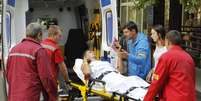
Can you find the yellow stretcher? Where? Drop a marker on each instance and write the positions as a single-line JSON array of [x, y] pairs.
[[85, 90], [89, 88]]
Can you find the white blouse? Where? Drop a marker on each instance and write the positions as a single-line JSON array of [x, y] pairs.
[[157, 53]]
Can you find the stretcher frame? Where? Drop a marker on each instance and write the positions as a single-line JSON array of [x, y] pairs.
[[85, 90]]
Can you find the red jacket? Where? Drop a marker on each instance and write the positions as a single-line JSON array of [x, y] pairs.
[[28, 72], [54, 53], [174, 77]]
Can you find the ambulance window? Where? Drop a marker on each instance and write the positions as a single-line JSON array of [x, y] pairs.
[[0, 28], [8, 29], [0, 41], [109, 27], [1, 8]]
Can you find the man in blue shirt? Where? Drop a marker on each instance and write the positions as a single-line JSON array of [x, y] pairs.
[[139, 54]]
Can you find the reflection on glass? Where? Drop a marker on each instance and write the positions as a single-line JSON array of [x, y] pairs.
[[8, 28], [109, 27], [132, 14], [123, 1], [0, 36], [123, 15]]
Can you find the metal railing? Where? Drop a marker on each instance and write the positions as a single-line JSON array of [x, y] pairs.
[[192, 42]]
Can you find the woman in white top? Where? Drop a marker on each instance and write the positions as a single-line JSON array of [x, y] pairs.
[[158, 36]]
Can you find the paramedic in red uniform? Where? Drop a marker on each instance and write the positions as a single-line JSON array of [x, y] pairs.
[[174, 78], [54, 52], [28, 69]]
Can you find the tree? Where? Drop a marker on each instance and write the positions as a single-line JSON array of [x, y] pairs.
[[142, 3], [189, 5]]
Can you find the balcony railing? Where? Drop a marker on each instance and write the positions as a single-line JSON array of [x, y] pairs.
[[192, 42]]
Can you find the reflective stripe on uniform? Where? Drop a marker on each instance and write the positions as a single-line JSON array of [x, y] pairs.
[[141, 54], [23, 55], [155, 76], [48, 47]]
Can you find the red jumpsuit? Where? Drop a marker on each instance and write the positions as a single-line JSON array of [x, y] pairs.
[[28, 72], [54, 53], [174, 77]]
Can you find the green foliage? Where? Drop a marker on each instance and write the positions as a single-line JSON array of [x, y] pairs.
[[142, 3], [189, 5]]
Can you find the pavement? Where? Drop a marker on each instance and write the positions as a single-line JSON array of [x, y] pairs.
[[198, 79], [198, 96], [2, 90], [198, 86], [198, 83]]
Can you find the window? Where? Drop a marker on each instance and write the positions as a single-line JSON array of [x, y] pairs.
[[0, 41], [109, 27], [8, 29], [123, 15], [129, 13]]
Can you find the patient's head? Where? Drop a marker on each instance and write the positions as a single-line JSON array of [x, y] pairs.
[[89, 55]]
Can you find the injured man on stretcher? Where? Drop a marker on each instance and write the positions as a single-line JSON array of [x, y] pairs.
[[89, 67]]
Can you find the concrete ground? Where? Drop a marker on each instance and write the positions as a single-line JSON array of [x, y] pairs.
[[2, 90], [198, 86], [198, 79], [198, 96]]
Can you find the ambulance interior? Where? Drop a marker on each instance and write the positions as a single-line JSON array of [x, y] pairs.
[[80, 24], [73, 18]]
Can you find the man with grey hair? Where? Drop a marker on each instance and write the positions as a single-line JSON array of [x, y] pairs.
[[28, 69], [34, 30]]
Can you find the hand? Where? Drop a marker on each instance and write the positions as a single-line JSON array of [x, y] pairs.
[[85, 67], [123, 54], [116, 46], [68, 81], [68, 84], [149, 76], [85, 60]]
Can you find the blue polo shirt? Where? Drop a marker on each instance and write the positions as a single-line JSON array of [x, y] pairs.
[[139, 57]]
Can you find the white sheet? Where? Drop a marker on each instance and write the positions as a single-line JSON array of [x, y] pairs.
[[78, 70], [116, 82]]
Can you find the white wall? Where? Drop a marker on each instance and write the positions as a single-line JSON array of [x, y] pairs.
[[66, 19], [20, 19], [91, 5]]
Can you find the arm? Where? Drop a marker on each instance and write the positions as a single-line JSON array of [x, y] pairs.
[[149, 75], [85, 69], [160, 77], [62, 66], [44, 72], [120, 65], [122, 54], [116, 46], [64, 71]]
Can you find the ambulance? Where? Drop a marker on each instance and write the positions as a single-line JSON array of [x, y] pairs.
[[90, 22]]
